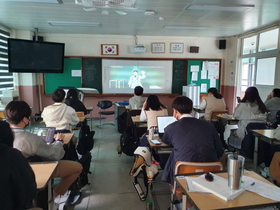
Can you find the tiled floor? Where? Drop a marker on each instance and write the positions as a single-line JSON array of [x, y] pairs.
[[111, 186]]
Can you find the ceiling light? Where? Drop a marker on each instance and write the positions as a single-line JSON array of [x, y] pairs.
[[186, 27], [220, 7], [149, 12], [41, 1], [83, 24], [89, 9], [104, 12], [120, 12], [161, 18]]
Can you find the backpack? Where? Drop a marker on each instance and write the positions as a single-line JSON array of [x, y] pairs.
[[86, 140], [122, 119], [144, 166], [85, 160], [129, 140]]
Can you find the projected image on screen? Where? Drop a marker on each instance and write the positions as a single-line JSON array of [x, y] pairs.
[[122, 76]]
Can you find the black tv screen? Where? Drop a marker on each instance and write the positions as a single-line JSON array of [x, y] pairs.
[[35, 57]]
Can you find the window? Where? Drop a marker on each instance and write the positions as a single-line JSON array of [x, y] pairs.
[[258, 60], [268, 40], [6, 78]]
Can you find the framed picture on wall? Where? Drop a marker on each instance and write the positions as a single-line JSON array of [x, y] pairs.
[[176, 47], [158, 47], [109, 49]]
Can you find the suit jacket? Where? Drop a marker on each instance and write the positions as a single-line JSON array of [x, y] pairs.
[[192, 140]]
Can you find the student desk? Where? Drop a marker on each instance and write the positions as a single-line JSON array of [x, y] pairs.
[[265, 135], [67, 137], [43, 172], [89, 110], [160, 148], [245, 200], [228, 118]]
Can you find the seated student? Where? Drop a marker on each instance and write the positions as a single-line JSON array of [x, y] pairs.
[[151, 109], [250, 109], [73, 101], [59, 115], [274, 168], [136, 102], [17, 180], [17, 114], [213, 102], [272, 104], [192, 139]]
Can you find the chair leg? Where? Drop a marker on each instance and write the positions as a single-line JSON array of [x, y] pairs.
[[99, 126]]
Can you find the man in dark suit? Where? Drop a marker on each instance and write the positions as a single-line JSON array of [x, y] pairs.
[[192, 139]]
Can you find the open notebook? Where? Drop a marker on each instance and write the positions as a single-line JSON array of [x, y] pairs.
[[162, 122], [46, 133]]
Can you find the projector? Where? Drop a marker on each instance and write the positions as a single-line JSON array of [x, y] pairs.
[[137, 48]]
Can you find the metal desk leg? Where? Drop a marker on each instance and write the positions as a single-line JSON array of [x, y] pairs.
[[184, 201], [256, 154]]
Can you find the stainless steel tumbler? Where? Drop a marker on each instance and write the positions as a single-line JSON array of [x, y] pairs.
[[235, 167]]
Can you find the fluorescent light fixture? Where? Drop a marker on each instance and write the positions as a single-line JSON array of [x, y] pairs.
[[149, 12], [186, 27], [40, 1], [82, 24], [220, 7]]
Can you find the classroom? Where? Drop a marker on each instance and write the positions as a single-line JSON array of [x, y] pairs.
[[241, 37]]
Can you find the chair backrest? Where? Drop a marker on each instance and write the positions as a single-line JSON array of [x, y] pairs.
[[278, 117], [104, 104], [184, 167], [216, 112]]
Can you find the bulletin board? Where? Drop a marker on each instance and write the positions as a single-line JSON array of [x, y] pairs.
[[204, 73]]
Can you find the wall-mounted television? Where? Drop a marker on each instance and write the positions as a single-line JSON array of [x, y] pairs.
[[28, 56]]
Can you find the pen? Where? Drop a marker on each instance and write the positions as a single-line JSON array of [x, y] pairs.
[[252, 184]]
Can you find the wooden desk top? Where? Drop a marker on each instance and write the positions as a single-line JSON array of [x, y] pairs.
[[246, 199], [43, 172], [269, 133], [136, 119], [67, 138], [162, 145], [89, 108]]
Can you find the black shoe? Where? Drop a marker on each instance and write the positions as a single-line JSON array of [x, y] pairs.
[[74, 197]]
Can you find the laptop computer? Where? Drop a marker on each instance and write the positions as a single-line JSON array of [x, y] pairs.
[[47, 133], [162, 122]]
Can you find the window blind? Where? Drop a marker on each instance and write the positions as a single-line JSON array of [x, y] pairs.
[[6, 78]]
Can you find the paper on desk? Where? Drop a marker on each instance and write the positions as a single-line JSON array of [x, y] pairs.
[[194, 188], [261, 188]]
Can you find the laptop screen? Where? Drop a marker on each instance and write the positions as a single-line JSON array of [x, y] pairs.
[[46, 133], [164, 121]]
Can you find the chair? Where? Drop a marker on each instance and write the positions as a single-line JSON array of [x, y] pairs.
[[103, 105], [216, 112], [184, 167]]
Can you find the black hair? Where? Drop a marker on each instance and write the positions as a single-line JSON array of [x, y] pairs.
[[6, 134], [15, 111], [153, 103], [138, 90], [183, 104], [276, 92], [72, 94], [58, 95], [215, 93], [252, 96]]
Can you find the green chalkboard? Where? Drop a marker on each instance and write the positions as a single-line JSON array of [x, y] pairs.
[[92, 73], [206, 79], [179, 76], [52, 80]]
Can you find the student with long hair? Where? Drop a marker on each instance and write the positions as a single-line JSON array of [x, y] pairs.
[[213, 102], [250, 109], [272, 104], [73, 101], [152, 108]]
